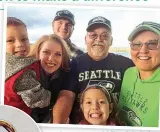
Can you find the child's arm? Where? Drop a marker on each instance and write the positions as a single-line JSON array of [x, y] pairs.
[[31, 91]]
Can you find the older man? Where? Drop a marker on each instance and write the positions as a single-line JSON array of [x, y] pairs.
[[98, 66], [139, 97], [63, 26]]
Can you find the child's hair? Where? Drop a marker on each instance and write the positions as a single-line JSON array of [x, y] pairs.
[[110, 98], [65, 51], [12, 21]]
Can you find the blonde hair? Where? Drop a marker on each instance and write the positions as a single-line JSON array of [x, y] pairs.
[[34, 52]]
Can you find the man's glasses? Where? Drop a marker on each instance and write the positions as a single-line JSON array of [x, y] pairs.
[[151, 45], [103, 36]]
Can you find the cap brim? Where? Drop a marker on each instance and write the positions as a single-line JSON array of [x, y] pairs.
[[91, 25], [140, 29], [65, 17]]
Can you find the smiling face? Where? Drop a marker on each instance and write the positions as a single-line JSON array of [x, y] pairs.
[[98, 41], [50, 56], [145, 59], [17, 42], [63, 28], [95, 107]]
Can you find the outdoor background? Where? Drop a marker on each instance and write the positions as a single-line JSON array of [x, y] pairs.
[[128, 16], [123, 20]]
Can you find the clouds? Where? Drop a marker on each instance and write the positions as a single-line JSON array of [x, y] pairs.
[[37, 32], [33, 17], [39, 18]]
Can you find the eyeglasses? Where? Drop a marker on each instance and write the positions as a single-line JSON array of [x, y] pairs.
[[103, 36], [151, 45]]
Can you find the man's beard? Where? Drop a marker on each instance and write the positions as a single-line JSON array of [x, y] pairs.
[[97, 51]]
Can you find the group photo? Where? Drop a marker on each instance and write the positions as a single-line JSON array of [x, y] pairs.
[[83, 65]]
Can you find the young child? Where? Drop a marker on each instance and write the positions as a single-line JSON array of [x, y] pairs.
[[98, 106], [17, 41], [22, 87]]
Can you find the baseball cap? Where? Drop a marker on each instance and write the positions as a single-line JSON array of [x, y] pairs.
[[145, 26], [65, 14], [99, 20]]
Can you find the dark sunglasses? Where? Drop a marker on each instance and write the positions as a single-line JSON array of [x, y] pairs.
[[151, 45]]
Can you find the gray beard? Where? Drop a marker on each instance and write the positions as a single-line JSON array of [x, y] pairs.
[[97, 52]]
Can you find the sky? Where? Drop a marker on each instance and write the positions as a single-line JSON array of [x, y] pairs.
[[123, 20]]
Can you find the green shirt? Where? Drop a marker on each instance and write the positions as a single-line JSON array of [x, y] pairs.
[[139, 99]]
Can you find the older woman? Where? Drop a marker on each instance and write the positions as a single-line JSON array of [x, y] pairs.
[[139, 97]]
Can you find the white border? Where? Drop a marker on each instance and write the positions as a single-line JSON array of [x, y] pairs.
[[22, 115], [85, 6], [3, 56], [77, 126], [102, 3], [73, 6]]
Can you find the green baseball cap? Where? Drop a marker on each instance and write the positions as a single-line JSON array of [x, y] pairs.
[[145, 26]]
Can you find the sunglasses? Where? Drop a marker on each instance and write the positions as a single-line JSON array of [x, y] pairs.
[[150, 45], [103, 36]]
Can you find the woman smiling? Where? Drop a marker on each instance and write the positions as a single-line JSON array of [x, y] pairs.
[[139, 97]]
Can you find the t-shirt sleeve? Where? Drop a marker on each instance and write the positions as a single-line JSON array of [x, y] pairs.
[[31, 91], [126, 64], [71, 80], [130, 63]]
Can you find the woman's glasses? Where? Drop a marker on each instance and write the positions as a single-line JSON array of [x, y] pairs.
[[151, 45]]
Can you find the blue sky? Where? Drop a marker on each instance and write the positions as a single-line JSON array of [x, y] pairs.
[[39, 18]]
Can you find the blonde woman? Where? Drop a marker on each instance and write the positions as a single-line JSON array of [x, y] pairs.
[[47, 72]]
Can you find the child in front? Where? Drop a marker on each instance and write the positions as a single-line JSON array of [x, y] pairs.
[[98, 106]]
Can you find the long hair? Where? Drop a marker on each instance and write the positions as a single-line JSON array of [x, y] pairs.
[[35, 50]]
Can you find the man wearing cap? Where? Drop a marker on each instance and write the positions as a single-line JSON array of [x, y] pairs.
[[63, 26], [97, 66], [139, 97]]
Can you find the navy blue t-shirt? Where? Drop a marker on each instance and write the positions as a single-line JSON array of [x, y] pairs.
[[85, 71]]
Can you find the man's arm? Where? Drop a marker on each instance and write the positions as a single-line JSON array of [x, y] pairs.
[[63, 106]]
